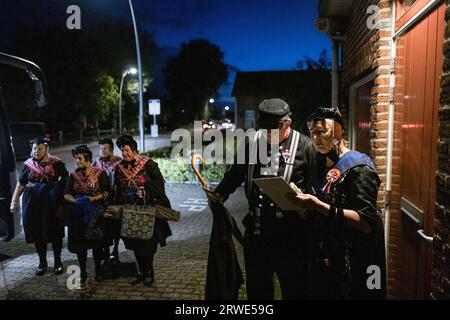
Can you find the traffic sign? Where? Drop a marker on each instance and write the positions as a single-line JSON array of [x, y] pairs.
[[154, 107]]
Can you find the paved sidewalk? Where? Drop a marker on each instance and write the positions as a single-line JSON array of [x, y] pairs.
[[180, 267]]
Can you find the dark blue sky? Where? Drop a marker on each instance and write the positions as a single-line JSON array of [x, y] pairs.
[[254, 34]]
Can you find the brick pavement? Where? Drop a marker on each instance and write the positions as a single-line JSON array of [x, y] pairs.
[[180, 267]]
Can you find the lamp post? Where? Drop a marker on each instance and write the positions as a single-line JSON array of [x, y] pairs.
[[130, 71], [141, 103], [225, 110], [206, 111]]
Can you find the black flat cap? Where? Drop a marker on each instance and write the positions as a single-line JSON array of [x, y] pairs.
[[327, 113], [272, 112]]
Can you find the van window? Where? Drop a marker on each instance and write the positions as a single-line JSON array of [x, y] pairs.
[[6, 153], [22, 133]]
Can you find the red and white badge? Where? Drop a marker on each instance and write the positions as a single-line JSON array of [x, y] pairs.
[[286, 155]]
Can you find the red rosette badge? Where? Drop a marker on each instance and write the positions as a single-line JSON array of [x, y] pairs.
[[332, 176]]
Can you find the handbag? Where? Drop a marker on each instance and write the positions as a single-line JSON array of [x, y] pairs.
[[138, 221]]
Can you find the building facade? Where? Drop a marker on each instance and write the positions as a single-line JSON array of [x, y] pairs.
[[303, 90], [391, 81]]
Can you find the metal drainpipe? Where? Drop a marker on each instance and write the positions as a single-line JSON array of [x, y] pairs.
[[390, 146], [335, 76]]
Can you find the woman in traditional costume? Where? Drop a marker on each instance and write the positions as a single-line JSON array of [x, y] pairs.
[[137, 178], [42, 183], [348, 253]]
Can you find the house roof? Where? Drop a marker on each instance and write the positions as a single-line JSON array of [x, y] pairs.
[[276, 83], [330, 8]]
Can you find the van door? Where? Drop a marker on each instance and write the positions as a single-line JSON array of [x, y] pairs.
[[9, 223]]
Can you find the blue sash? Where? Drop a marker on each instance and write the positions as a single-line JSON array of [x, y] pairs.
[[351, 160]]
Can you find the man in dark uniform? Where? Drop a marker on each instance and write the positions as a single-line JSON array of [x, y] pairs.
[[274, 240]]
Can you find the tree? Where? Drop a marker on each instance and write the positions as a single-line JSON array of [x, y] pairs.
[[104, 97], [322, 63], [81, 66], [192, 78]]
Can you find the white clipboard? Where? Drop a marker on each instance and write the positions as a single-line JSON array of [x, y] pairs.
[[277, 189]]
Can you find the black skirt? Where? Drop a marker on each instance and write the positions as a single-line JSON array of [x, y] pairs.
[[40, 222]]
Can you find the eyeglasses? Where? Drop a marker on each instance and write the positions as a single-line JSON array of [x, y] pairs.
[[319, 132]]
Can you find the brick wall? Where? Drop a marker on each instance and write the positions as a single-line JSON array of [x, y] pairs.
[[441, 244], [358, 53], [368, 51]]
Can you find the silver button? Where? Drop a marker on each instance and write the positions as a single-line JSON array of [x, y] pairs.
[[281, 147], [275, 173], [260, 205], [279, 214], [276, 167], [272, 204], [278, 155], [277, 160], [260, 196]]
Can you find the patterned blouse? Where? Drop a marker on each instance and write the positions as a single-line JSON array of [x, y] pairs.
[[108, 165], [36, 171], [80, 184]]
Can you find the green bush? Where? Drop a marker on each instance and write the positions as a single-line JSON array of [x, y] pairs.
[[179, 170], [163, 152]]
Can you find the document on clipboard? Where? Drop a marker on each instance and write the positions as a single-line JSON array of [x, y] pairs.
[[277, 189]]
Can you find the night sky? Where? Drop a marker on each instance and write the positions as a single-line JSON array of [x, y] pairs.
[[254, 34]]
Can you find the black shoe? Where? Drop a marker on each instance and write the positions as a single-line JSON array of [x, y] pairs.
[[139, 278], [58, 269], [114, 258], [148, 280], [41, 270]]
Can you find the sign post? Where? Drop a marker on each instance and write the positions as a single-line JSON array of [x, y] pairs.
[[154, 108]]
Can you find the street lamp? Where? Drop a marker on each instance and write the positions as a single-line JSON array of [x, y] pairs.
[[141, 103], [225, 109], [127, 72], [206, 110]]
